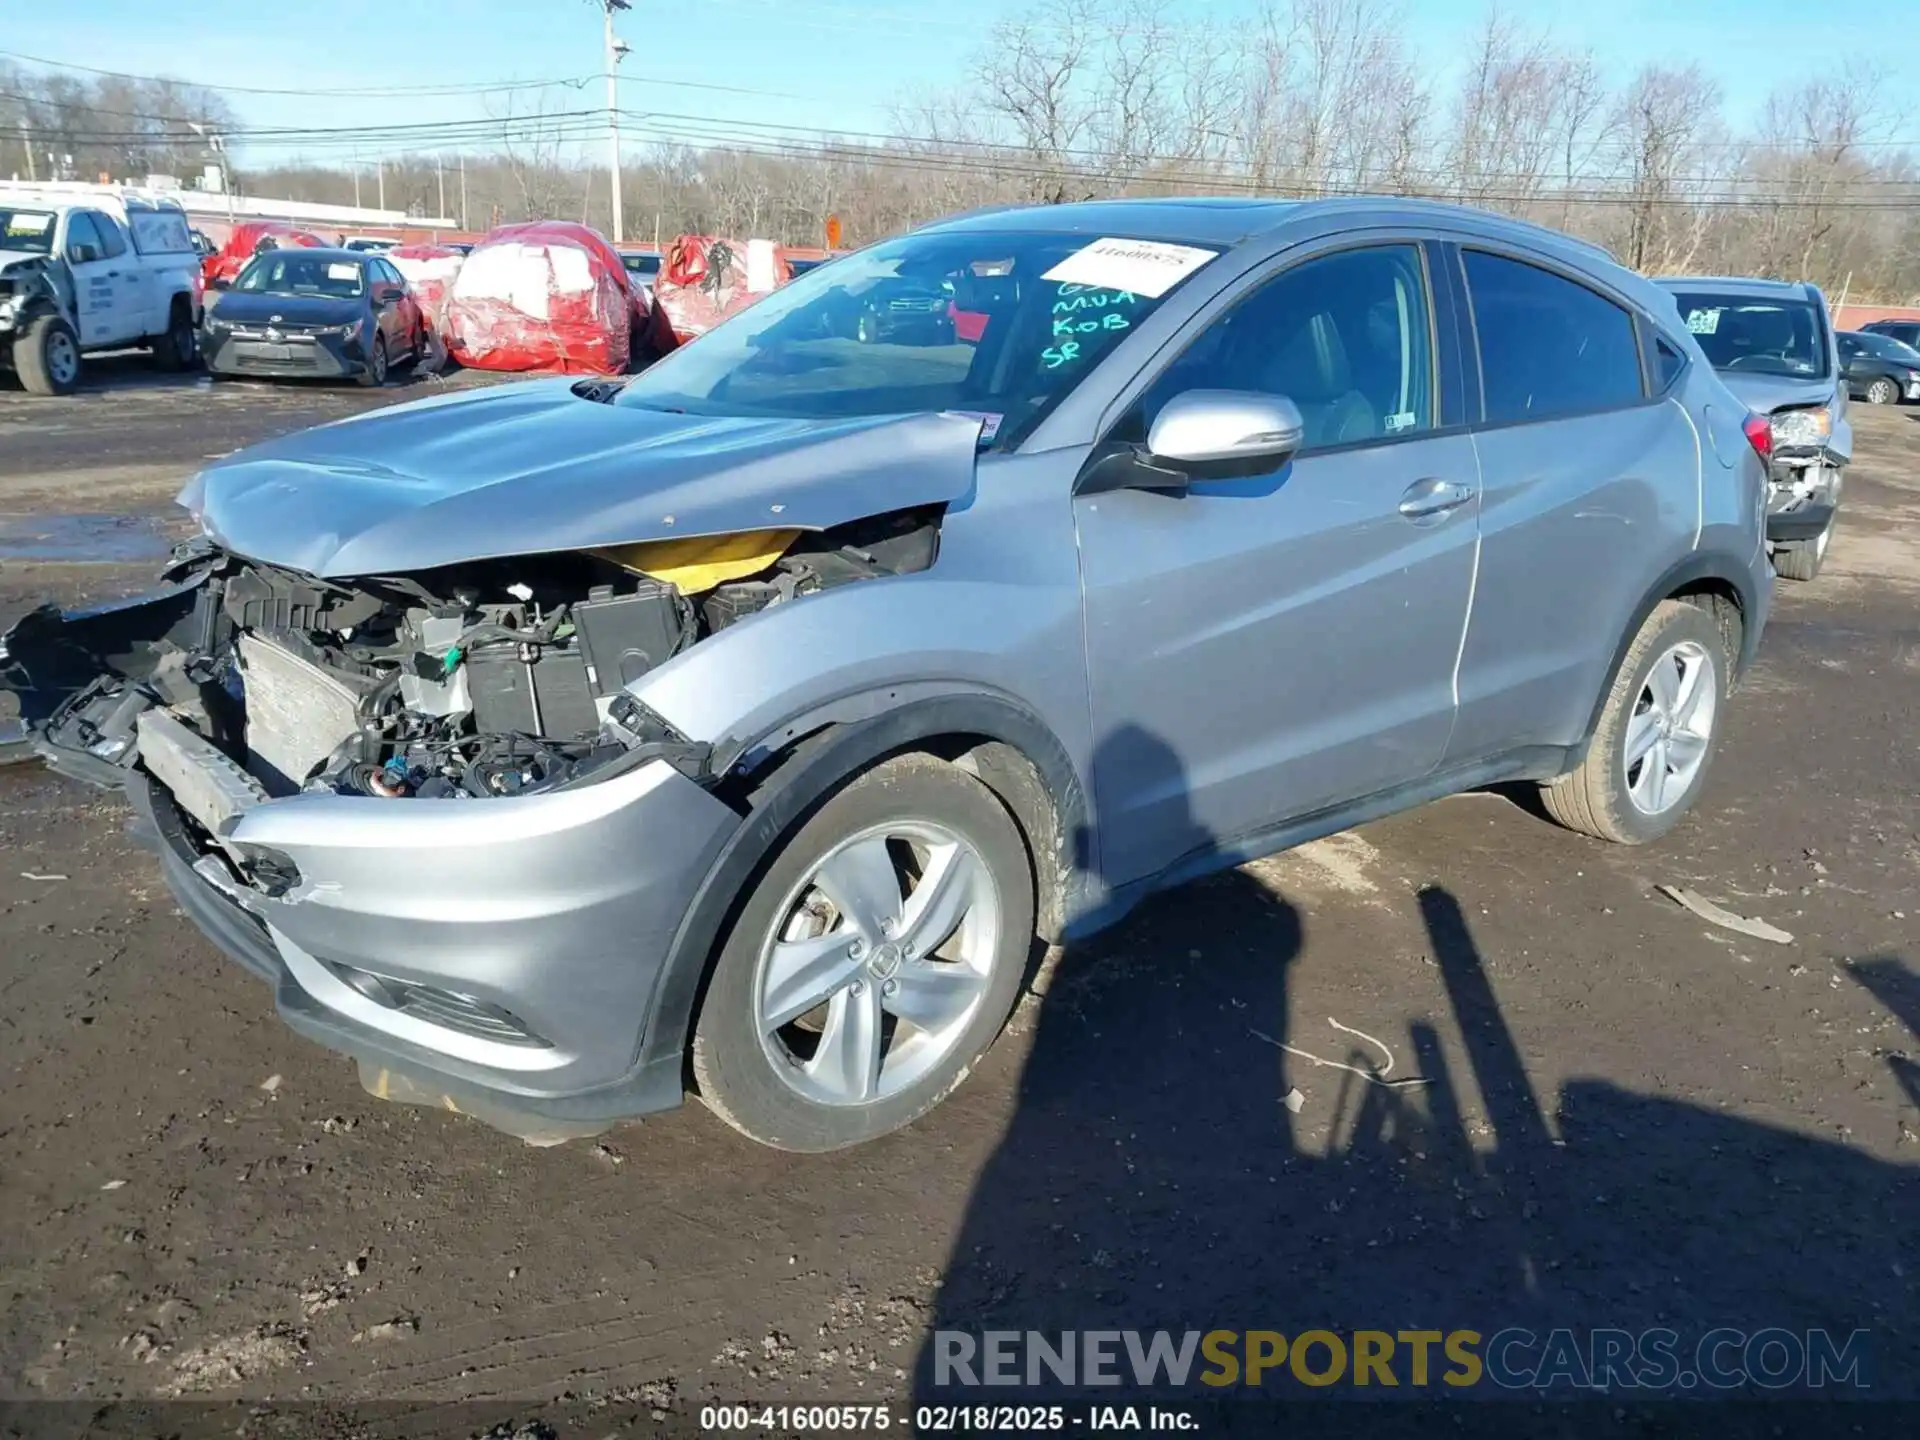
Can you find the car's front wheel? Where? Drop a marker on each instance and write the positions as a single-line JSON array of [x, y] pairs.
[[1650, 753], [875, 960], [1883, 392], [46, 357], [1802, 559], [375, 373]]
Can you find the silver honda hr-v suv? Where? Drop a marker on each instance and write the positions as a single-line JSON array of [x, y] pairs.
[[559, 748]]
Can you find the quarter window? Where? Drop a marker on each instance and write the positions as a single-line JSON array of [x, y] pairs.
[[1548, 345], [1345, 337], [1669, 362]]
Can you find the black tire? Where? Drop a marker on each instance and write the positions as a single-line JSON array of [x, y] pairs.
[[1802, 559], [1883, 392], [374, 374], [1594, 798], [177, 348], [733, 1072], [47, 357]]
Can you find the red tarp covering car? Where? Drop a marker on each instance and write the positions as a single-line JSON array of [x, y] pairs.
[[430, 271], [244, 243], [546, 295], [704, 279]]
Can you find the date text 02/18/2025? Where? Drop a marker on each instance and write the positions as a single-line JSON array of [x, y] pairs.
[[943, 1419]]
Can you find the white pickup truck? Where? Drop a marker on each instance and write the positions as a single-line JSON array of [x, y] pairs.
[[103, 274]]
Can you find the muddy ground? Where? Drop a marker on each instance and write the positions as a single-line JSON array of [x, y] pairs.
[[1631, 1118]]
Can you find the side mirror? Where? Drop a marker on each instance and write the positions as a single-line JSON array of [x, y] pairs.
[[387, 294], [1221, 433], [220, 282]]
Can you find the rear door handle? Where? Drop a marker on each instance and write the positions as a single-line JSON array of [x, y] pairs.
[[1432, 499]]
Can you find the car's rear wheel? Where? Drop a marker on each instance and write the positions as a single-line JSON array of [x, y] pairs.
[[875, 959], [176, 348], [1802, 559], [1883, 392], [1651, 751]]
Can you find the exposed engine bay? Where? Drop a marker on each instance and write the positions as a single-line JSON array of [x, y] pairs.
[[486, 679]]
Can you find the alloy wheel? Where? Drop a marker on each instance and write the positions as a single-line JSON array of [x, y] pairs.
[[1671, 728], [877, 963]]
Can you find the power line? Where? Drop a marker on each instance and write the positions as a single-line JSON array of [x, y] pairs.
[[420, 91]]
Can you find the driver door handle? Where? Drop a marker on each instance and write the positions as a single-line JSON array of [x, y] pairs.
[[1432, 499]]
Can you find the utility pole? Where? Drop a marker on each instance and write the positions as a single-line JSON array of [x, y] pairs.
[[615, 49], [463, 190], [26, 141], [440, 172], [380, 169], [356, 182]]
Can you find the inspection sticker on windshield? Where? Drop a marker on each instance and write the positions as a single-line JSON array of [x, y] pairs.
[[989, 422], [1144, 267], [347, 271], [1703, 322]]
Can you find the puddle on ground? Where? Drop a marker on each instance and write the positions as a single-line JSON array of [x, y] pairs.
[[89, 539]]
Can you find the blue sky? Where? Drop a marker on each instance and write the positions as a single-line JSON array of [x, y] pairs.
[[824, 63]]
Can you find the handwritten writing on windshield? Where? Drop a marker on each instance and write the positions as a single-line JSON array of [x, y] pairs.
[[1085, 310]]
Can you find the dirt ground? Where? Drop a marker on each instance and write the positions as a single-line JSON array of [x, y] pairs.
[[1631, 1118]]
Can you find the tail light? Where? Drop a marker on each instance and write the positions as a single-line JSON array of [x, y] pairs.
[[1759, 433]]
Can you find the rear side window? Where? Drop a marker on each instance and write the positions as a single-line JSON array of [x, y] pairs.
[[1548, 345]]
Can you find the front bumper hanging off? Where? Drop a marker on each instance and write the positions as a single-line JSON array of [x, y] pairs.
[[496, 959], [1803, 496]]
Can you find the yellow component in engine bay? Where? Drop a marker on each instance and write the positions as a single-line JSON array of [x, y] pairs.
[[700, 562]]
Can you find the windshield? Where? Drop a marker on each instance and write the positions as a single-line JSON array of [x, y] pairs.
[[1757, 336], [288, 272], [1888, 348], [643, 265], [996, 324], [29, 230]]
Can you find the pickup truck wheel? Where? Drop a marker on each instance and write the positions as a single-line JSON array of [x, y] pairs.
[[1802, 559], [1651, 751], [176, 349], [1883, 392], [872, 963], [47, 357]]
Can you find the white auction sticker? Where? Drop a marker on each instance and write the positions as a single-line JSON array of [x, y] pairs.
[[1142, 267], [344, 270]]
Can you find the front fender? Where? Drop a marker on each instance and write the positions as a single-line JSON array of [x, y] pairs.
[[813, 772]]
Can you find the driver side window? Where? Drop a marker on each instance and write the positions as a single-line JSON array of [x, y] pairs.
[[83, 241], [1346, 337]]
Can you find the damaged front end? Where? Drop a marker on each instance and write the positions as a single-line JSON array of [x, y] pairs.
[[425, 806], [484, 680]]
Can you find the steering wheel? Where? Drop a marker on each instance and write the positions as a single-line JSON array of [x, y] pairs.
[[1765, 361]]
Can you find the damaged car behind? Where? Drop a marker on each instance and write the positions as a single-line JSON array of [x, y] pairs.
[[559, 749]]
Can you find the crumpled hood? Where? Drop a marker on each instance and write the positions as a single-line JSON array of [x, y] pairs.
[[529, 468], [10, 258], [1764, 394]]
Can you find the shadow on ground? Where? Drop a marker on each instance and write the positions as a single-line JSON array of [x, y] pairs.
[[1151, 1179]]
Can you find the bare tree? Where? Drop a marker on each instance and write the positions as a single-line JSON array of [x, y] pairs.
[[1665, 119]]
